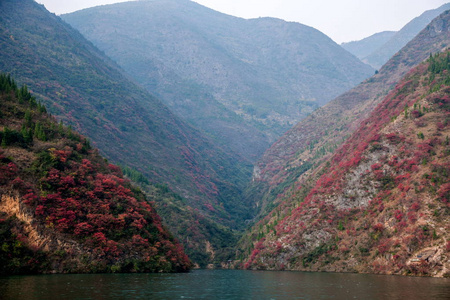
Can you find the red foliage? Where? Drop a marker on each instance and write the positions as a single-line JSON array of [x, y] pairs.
[[415, 206], [98, 209], [61, 155], [376, 166], [394, 138], [384, 246], [99, 238], [398, 215], [8, 172], [83, 228], [444, 193], [416, 114], [412, 217], [378, 227]]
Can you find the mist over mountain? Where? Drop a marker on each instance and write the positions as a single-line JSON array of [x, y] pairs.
[[245, 82], [366, 46], [382, 54]]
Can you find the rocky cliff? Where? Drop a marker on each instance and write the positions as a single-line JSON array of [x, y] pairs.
[[381, 201]]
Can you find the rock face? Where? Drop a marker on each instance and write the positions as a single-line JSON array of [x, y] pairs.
[[381, 203], [296, 154], [245, 82], [63, 208], [333, 193]]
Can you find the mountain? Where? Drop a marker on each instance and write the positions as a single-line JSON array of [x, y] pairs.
[[290, 169], [381, 203], [244, 82], [366, 46], [381, 55], [63, 208], [315, 138], [85, 89]]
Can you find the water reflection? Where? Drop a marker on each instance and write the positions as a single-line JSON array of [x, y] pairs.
[[223, 284]]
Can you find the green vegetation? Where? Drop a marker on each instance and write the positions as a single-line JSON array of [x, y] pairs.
[[369, 205], [82, 87], [314, 255], [260, 84], [55, 185], [15, 255]]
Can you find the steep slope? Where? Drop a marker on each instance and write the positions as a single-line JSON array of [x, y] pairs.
[[311, 141], [402, 37], [368, 45], [130, 127], [382, 201], [63, 208], [245, 82]]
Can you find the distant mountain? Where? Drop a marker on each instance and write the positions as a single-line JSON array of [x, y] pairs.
[[381, 55], [313, 139], [63, 208], [381, 202], [245, 82], [368, 45], [83, 87]]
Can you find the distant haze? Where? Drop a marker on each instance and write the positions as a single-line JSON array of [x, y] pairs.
[[343, 20]]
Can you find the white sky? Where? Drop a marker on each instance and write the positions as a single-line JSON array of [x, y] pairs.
[[342, 20]]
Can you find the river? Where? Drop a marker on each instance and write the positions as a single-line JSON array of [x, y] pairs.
[[223, 284]]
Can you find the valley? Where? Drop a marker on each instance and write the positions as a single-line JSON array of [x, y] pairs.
[[164, 136]]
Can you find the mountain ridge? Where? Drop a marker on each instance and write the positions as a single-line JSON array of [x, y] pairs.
[[381, 55], [366, 46], [88, 91], [247, 81], [312, 140], [380, 204]]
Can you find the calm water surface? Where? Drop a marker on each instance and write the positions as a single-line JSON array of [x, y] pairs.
[[223, 284]]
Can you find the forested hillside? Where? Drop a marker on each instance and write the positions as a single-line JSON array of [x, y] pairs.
[[297, 154], [63, 208], [85, 89], [245, 82], [381, 201]]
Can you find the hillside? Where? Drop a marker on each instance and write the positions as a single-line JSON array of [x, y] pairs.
[[63, 208], [366, 46], [296, 155], [245, 82], [381, 203], [381, 55], [85, 89]]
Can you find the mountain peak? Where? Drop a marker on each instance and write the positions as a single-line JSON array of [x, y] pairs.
[[244, 82]]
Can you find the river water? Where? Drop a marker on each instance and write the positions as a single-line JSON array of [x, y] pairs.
[[223, 284]]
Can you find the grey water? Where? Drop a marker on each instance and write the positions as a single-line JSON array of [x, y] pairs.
[[224, 284]]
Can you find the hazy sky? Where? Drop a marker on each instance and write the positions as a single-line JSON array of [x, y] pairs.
[[342, 20]]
